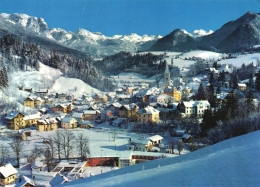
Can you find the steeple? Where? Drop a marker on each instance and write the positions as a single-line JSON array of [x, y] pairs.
[[167, 76]]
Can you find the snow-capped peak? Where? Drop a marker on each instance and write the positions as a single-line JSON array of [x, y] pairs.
[[30, 23], [198, 33]]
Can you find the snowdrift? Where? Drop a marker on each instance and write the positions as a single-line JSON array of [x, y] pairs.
[[234, 162]]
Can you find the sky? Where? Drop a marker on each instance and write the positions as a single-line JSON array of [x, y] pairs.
[[152, 17]]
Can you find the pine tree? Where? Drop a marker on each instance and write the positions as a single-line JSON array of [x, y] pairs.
[[218, 90], [5, 78], [250, 101], [251, 81], [257, 81], [201, 95], [235, 81]]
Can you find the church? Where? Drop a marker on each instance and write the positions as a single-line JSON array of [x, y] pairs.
[[168, 86]]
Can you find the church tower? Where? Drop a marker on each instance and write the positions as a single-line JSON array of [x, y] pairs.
[[167, 76]]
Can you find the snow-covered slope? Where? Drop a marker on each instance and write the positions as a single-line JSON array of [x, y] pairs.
[[72, 86], [234, 162], [242, 59], [203, 54]]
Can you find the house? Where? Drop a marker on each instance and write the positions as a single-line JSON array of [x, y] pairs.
[[61, 96], [58, 179], [25, 182], [15, 120], [241, 87], [194, 108], [28, 90], [144, 144], [173, 92], [65, 108], [29, 102], [114, 108], [165, 99], [31, 120], [85, 124], [105, 115], [7, 175], [90, 115], [42, 92], [78, 116], [47, 124], [186, 138], [128, 111], [69, 123], [148, 114], [101, 98], [102, 161]]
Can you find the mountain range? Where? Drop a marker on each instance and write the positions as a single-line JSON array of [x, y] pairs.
[[234, 36]]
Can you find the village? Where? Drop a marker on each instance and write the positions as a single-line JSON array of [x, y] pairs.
[[70, 137]]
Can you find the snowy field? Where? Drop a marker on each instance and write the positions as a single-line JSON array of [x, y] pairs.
[[202, 54], [132, 78], [234, 162], [246, 59], [101, 144], [72, 86]]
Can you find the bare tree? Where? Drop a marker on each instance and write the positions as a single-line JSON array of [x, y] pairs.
[[48, 158], [50, 145], [17, 147], [57, 143], [67, 140], [180, 147], [83, 146], [4, 154]]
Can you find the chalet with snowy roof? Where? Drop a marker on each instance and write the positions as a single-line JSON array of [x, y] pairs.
[[15, 120], [31, 120], [7, 174], [47, 124], [25, 182], [78, 116], [85, 124], [69, 123], [148, 114], [114, 108], [101, 98], [144, 144], [165, 99], [173, 92], [105, 115], [90, 115], [191, 108], [128, 111], [64, 108], [241, 87], [29, 102], [42, 92], [58, 179]]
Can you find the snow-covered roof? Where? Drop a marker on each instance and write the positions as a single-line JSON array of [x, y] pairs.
[[25, 180], [241, 85], [148, 110], [77, 115], [117, 105], [12, 115], [155, 138], [90, 112], [58, 179], [32, 116], [7, 170], [67, 120]]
